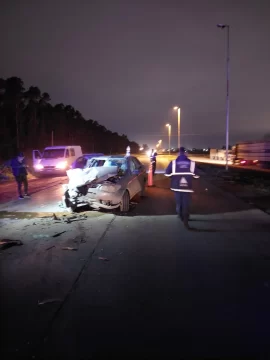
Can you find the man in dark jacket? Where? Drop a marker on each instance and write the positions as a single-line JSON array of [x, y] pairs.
[[153, 160], [182, 170], [18, 166]]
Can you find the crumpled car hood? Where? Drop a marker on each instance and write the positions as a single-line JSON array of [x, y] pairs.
[[80, 177]]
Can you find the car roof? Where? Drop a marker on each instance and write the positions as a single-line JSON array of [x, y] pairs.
[[109, 157], [93, 155]]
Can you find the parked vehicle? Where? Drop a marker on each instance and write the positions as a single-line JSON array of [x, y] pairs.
[[252, 153], [83, 161], [55, 159], [110, 183], [220, 154]]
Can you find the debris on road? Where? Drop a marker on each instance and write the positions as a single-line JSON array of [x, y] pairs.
[[72, 218], [50, 247], [58, 234], [39, 236], [6, 243], [48, 301], [69, 248], [103, 258], [55, 217]]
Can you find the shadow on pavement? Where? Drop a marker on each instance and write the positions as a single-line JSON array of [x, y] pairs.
[[159, 200]]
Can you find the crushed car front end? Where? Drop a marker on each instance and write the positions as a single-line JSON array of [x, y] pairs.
[[101, 190]]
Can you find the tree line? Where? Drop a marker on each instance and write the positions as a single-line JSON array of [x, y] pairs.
[[28, 121]]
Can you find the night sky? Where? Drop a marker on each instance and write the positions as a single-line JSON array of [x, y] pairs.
[[127, 63]]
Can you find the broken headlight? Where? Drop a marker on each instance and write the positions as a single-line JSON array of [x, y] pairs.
[[110, 187]]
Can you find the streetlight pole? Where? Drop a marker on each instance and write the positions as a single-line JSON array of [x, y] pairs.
[[178, 118], [169, 134], [223, 26]]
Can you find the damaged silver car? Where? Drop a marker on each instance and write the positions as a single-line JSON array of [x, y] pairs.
[[109, 183]]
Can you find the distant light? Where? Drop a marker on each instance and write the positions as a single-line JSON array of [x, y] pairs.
[[176, 108], [141, 148], [168, 125]]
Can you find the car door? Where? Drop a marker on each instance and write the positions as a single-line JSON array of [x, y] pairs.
[[134, 185], [36, 156], [141, 172]]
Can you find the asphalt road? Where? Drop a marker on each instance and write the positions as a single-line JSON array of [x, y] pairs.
[[137, 285]]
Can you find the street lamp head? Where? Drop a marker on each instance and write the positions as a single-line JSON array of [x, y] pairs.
[[168, 125], [176, 108], [222, 26]]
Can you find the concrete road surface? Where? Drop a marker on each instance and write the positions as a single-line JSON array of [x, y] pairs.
[[138, 285]]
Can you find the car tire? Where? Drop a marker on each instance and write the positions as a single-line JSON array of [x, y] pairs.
[[124, 205]]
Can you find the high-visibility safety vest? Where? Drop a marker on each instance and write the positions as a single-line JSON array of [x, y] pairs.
[[153, 156], [181, 173]]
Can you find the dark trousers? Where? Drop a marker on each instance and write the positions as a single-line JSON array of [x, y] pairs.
[[22, 179], [154, 164], [183, 200]]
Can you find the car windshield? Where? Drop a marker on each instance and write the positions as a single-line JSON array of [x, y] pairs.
[[97, 162], [53, 153], [119, 162], [115, 162]]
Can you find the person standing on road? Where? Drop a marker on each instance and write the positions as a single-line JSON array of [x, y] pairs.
[[19, 171], [153, 160], [182, 170]]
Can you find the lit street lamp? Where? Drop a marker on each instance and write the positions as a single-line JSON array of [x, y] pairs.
[[178, 131], [223, 26], [169, 134]]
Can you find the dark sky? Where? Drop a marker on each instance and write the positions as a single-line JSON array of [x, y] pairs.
[[127, 63]]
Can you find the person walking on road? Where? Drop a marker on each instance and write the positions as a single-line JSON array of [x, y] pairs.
[[182, 170], [19, 171], [153, 160]]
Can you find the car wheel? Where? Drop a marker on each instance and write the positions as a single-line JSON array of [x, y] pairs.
[[124, 205]]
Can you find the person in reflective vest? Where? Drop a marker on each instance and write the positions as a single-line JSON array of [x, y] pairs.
[[153, 159], [181, 171]]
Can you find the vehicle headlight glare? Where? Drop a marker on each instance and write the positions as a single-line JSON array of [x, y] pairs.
[[61, 165]]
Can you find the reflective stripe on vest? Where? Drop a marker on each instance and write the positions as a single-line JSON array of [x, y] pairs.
[[190, 172], [182, 190]]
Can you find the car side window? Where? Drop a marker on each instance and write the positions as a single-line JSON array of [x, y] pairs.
[[72, 152], [81, 161], [132, 165], [67, 153], [137, 163]]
